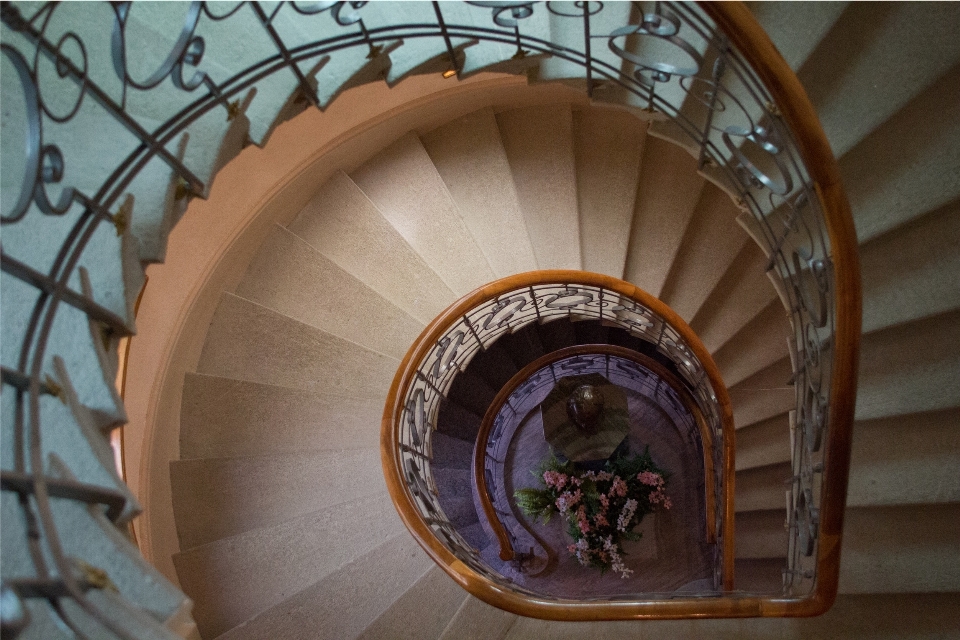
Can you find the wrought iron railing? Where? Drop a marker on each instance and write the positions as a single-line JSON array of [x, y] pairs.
[[474, 324], [116, 115]]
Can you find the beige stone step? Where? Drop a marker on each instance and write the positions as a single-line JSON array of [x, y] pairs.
[[667, 195], [608, 145], [471, 160], [911, 549], [896, 615], [912, 271], [762, 488], [759, 344], [910, 368], [292, 278], [847, 76], [427, 606], [217, 498], [897, 172], [711, 243], [539, 146], [759, 575], [343, 603], [796, 27], [237, 578], [403, 184], [477, 620], [247, 341], [742, 292], [761, 534], [342, 224], [921, 467], [223, 417], [764, 443], [763, 395]]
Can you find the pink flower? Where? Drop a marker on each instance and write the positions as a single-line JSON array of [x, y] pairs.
[[601, 520], [650, 478], [604, 501], [555, 479], [619, 487]]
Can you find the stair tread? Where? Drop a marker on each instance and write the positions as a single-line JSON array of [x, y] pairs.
[[436, 589], [342, 223], [247, 341], [608, 146], [741, 293], [477, 620], [755, 347], [224, 417], [292, 278], [908, 165], [710, 245], [910, 368], [343, 603], [667, 196], [259, 569], [763, 395], [539, 146], [470, 158], [846, 77], [217, 498], [404, 185]]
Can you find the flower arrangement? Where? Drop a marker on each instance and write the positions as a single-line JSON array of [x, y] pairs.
[[601, 507]]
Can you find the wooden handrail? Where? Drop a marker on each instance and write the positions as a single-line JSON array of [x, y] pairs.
[[756, 48], [478, 585], [706, 437], [796, 110]]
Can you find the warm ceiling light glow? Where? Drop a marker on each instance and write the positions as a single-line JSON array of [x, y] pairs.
[[449, 73]]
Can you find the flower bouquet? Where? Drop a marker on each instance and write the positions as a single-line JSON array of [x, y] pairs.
[[601, 507]]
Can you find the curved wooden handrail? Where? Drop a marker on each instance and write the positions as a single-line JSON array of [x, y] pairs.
[[756, 48], [796, 110], [478, 585], [479, 452]]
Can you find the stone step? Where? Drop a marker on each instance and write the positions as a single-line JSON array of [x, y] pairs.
[[910, 368], [904, 549], [761, 534], [450, 452], [742, 292], [763, 395], [223, 417], [477, 620], [709, 247], [346, 601], [343, 225], [608, 146], [458, 422], [247, 341], [427, 606], [292, 278], [470, 158], [764, 443], [667, 195], [795, 28], [845, 76], [216, 498], [913, 271], [919, 469], [235, 579], [762, 488], [759, 344], [896, 173], [539, 145], [403, 184]]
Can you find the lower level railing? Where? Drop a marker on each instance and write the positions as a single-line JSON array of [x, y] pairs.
[[447, 346]]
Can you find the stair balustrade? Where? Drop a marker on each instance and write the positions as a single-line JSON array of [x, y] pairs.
[[117, 115]]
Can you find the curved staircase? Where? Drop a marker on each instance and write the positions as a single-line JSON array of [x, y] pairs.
[[285, 526], [282, 527]]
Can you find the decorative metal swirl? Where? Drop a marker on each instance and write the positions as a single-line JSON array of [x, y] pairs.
[[92, 114]]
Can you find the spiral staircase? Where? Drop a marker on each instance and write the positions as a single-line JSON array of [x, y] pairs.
[[284, 523]]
